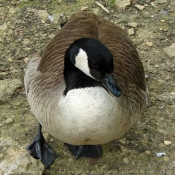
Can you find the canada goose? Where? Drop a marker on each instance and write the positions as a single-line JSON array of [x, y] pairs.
[[86, 88]]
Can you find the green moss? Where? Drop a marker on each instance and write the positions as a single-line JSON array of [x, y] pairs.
[[112, 3]]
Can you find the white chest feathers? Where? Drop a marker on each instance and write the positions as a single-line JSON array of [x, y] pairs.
[[87, 116]]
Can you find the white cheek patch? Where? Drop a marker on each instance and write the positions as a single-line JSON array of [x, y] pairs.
[[81, 62]]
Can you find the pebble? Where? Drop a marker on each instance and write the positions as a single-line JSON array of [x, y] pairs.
[[59, 2], [8, 87], [3, 26], [163, 12], [165, 158], [170, 50], [51, 18], [132, 24], [140, 7], [26, 59], [42, 14], [167, 142], [9, 120], [18, 161], [84, 8], [148, 152], [10, 60], [122, 4], [125, 160], [131, 31], [26, 41], [161, 1], [149, 44]]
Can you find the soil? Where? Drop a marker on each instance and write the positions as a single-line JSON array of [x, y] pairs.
[[26, 27]]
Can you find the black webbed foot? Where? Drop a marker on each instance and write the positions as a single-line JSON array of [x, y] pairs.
[[39, 149], [92, 151]]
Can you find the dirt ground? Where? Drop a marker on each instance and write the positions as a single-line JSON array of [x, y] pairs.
[[26, 26]]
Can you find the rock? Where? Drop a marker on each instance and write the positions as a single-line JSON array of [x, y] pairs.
[[125, 160], [3, 26], [12, 10], [59, 2], [140, 7], [163, 12], [147, 1], [84, 8], [148, 152], [9, 120], [7, 87], [43, 14], [149, 44], [167, 142], [170, 50], [123, 4], [18, 161], [131, 31], [165, 158], [161, 1], [167, 98], [26, 41], [132, 24], [26, 60], [10, 60]]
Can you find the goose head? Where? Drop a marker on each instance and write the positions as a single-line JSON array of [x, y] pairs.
[[95, 60]]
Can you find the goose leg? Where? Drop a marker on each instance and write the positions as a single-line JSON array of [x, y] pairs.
[[39, 149], [93, 151]]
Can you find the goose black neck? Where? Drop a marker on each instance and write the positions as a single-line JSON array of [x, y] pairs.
[[75, 78]]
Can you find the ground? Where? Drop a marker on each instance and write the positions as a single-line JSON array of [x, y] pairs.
[[27, 26]]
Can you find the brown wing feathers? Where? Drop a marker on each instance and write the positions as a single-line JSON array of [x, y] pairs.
[[88, 25]]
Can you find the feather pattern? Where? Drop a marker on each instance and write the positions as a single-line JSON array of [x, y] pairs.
[[44, 83]]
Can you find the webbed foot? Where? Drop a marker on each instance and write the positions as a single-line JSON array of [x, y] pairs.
[[39, 149], [93, 151]]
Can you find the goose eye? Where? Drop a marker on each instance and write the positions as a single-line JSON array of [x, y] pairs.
[[93, 64]]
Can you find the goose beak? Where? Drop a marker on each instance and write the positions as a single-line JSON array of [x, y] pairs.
[[111, 84]]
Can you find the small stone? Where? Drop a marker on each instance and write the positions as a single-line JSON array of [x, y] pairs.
[[122, 4], [10, 60], [17, 161], [167, 142], [51, 140], [149, 44], [156, 66], [3, 26], [140, 7], [8, 87], [148, 152], [9, 120], [84, 8], [147, 1], [43, 14], [26, 59], [26, 41], [161, 1], [165, 158], [162, 20], [170, 50], [163, 12], [125, 160], [51, 18], [12, 10], [59, 2], [131, 31], [132, 24]]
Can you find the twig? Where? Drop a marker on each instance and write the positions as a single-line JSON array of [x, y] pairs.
[[100, 5]]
